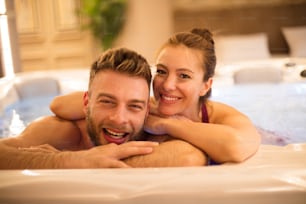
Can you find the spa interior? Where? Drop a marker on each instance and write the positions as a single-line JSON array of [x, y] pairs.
[[46, 50]]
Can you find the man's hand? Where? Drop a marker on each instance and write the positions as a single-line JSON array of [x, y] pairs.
[[47, 157], [110, 155]]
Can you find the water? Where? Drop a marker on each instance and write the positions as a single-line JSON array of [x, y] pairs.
[[27, 111], [276, 109]]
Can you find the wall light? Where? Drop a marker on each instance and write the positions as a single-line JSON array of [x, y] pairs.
[[6, 51]]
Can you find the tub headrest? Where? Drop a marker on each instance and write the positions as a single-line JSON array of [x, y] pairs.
[[37, 87], [258, 75]]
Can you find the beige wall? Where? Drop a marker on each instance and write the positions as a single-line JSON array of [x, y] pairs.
[[149, 24]]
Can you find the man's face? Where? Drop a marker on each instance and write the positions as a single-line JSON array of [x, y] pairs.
[[117, 107]]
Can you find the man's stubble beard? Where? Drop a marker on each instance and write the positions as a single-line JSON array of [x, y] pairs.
[[91, 130], [94, 135]]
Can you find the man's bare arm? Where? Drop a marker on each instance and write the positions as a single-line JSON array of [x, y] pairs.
[[172, 153], [107, 156], [40, 144]]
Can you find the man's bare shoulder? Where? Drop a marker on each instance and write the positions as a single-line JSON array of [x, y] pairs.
[[59, 133]]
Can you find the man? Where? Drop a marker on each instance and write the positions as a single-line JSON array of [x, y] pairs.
[[116, 106]]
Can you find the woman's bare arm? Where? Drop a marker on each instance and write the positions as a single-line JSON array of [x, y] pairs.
[[229, 137], [69, 107]]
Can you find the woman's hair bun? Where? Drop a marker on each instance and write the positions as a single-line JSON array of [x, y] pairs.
[[204, 33]]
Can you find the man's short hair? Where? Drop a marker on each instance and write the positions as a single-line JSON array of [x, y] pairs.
[[124, 61]]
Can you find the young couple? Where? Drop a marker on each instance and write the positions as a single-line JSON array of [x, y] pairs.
[[106, 126]]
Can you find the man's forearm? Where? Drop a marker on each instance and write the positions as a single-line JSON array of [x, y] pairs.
[[47, 157], [32, 158], [173, 153]]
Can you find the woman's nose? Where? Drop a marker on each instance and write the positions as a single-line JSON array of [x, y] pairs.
[[169, 83]]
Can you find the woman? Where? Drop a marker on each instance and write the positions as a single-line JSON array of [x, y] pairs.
[[185, 66]]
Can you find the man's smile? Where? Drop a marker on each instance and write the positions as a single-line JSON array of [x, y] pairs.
[[115, 136]]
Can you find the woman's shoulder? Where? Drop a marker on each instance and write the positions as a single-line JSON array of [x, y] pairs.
[[218, 110], [218, 105]]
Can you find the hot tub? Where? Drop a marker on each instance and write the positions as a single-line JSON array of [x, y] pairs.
[[278, 110], [27, 96], [275, 174]]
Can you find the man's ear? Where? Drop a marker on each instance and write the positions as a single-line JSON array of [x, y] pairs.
[[206, 87], [85, 101]]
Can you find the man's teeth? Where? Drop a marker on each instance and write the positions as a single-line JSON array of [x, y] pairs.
[[115, 134]]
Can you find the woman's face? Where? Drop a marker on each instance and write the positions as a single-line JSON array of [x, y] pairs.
[[178, 82]]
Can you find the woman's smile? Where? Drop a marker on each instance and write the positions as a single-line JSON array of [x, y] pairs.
[[165, 98]]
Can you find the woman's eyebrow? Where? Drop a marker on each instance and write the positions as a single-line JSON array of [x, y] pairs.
[[182, 69], [161, 65], [185, 70], [179, 69]]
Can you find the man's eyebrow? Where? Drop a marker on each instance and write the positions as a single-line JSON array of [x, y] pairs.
[[106, 95], [138, 101], [114, 98]]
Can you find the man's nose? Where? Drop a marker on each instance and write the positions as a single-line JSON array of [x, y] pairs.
[[119, 115]]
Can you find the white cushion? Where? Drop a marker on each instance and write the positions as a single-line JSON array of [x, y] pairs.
[[258, 75], [235, 48], [296, 39], [45, 86]]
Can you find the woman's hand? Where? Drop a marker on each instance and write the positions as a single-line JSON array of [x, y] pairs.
[[157, 125]]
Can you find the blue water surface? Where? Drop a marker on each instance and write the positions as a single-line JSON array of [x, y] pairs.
[[28, 110], [278, 109], [275, 109]]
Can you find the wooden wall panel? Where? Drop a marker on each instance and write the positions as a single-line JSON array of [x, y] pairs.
[[50, 35], [244, 20]]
